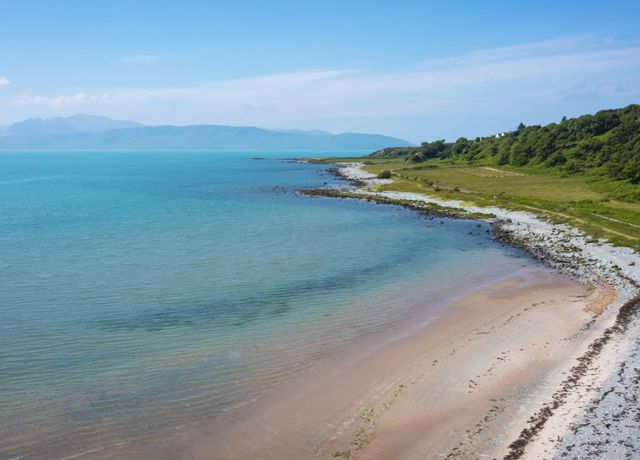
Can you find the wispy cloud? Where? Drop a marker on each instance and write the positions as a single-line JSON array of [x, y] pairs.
[[143, 58], [4, 81], [80, 99], [504, 78], [427, 87]]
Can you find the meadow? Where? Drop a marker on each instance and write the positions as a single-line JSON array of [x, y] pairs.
[[586, 202]]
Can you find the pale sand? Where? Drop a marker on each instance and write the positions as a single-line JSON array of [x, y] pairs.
[[594, 412], [460, 387]]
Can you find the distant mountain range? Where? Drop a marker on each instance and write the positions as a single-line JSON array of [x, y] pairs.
[[94, 132], [66, 125]]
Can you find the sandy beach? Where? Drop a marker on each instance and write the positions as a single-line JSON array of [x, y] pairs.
[[579, 401], [461, 386]]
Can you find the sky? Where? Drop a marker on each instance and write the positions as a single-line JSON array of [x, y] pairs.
[[419, 70]]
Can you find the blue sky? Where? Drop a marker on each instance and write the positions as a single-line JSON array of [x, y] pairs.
[[415, 69]]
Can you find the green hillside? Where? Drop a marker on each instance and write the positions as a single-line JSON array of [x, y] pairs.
[[583, 171], [605, 144]]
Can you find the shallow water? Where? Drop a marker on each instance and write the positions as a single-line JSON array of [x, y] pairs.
[[146, 293]]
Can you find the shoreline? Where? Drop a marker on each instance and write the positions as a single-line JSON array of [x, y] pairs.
[[477, 356], [603, 373]]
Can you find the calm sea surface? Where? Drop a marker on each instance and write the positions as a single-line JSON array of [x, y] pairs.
[[143, 294]]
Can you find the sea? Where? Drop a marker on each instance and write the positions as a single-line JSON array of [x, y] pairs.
[[144, 295]]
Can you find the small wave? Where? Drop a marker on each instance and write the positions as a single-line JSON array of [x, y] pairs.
[[35, 179]]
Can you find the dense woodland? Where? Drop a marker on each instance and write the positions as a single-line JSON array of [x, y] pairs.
[[607, 143]]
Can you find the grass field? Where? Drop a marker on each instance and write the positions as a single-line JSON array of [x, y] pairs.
[[583, 201]]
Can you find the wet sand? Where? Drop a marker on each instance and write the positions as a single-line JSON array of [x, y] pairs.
[[460, 385]]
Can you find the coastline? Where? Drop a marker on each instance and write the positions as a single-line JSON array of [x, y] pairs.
[[436, 387], [602, 373]]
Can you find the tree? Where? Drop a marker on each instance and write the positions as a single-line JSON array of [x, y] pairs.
[[606, 143]]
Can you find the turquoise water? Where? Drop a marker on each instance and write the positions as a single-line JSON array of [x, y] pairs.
[[147, 293]]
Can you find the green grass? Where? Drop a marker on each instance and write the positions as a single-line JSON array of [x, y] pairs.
[[545, 187], [582, 201]]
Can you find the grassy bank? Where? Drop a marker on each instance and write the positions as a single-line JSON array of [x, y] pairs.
[[585, 202]]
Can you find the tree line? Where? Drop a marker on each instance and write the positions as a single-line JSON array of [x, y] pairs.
[[606, 143]]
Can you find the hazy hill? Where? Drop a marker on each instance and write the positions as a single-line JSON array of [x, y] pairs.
[[66, 125], [85, 132]]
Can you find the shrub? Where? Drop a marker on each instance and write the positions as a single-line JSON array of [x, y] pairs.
[[384, 174]]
